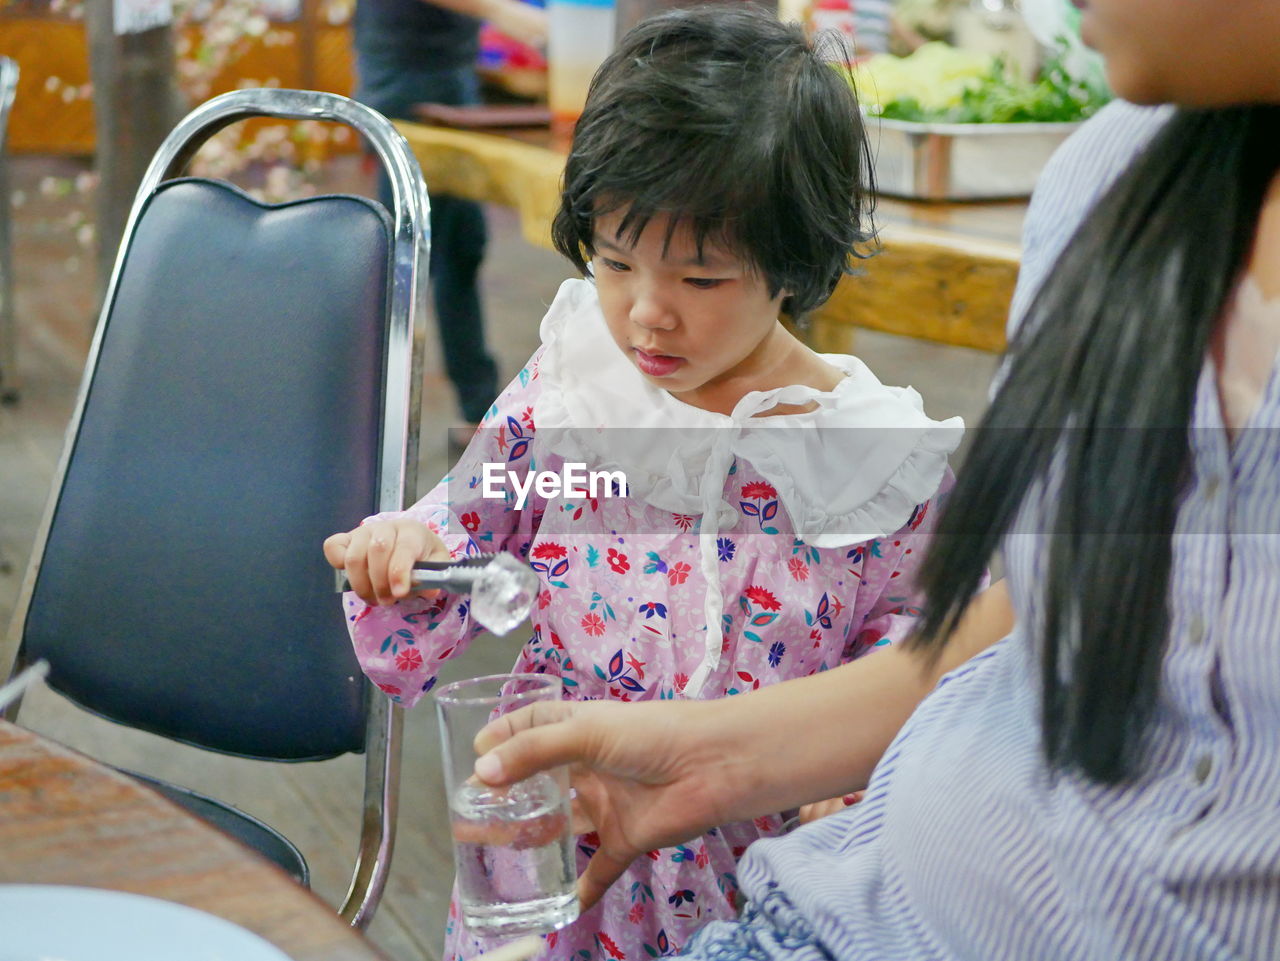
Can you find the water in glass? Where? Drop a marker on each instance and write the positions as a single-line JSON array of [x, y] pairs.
[[514, 855]]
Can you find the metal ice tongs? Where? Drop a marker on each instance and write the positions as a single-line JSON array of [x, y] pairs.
[[502, 588]]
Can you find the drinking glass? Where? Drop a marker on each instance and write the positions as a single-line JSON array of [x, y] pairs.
[[512, 846]]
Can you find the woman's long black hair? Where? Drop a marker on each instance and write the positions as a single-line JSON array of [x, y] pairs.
[[1100, 387]]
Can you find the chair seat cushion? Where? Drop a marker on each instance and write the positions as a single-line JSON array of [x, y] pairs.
[[244, 827]]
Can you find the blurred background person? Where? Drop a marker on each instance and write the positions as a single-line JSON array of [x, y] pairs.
[[410, 52]]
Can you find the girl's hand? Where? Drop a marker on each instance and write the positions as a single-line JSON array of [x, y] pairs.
[[644, 775], [379, 557], [820, 809]]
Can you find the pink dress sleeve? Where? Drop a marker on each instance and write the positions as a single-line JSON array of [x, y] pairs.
[[890, 570], [401, 646]]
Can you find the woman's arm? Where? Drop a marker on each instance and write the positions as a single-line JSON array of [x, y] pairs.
[[860, 707], [655, 774], [516, 19]]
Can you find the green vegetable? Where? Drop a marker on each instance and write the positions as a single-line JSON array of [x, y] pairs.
[[992, 95], [935, 76]]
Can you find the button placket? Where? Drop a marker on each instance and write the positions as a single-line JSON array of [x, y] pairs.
[[1197, 631], [1212, 486]]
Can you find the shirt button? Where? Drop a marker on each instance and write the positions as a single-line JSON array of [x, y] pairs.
[[1204, 764], [1196, 630], [1211, 485]]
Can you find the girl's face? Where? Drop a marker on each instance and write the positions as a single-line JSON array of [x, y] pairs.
[[701, 328], [1198, 53]]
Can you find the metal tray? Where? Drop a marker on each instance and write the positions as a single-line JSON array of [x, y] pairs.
[[961, 161]]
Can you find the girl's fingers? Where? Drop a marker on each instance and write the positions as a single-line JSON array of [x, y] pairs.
[[382, 539], [335, 549], [410, 544], [820, 809], [357, 565], [379, 557], [420, 544]]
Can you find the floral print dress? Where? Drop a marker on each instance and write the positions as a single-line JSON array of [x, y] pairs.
[[644, 595]]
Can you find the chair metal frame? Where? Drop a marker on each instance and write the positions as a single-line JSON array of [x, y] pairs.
[[399, 455], [8, 329]]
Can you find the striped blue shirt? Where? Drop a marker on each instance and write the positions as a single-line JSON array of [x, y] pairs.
[[966, 850]]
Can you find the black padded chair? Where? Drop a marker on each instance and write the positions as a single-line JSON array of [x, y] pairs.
[[252, 387]]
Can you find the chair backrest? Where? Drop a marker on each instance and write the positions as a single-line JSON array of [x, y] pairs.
[[232, 422], [252, 387]]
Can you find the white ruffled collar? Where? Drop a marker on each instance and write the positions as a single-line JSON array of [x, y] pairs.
[[881, 455]]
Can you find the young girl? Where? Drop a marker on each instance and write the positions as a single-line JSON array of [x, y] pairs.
[[1103, 782], [777, 501]]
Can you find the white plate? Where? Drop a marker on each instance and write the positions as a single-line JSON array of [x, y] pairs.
[[47, 922]]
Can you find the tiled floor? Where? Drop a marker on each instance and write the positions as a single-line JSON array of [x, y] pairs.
[[317, 806]]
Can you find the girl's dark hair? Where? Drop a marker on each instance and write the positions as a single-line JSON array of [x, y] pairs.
[[1095, 411], [731, 123]]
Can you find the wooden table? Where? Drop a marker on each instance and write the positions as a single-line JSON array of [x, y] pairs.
[[946, 272], [66, 819]]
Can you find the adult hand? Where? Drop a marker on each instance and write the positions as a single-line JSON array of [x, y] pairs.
[[657, 773], [379, 557], [646, 775], [518, 20]]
